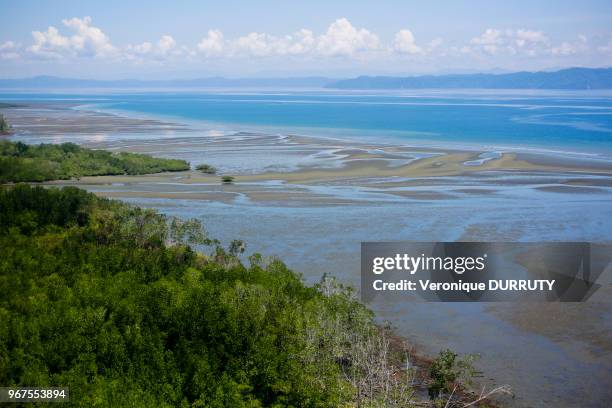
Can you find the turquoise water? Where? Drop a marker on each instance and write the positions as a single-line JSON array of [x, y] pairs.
[[554, 121]]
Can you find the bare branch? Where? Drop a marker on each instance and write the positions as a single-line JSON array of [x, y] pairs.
[[504, 389], [450, 397]]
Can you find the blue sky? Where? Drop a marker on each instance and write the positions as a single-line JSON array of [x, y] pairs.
[[155, 39]]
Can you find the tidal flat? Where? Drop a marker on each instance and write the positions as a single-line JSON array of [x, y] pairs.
[[312, 200]]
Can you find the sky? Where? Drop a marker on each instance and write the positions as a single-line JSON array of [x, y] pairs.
[[188, 39]]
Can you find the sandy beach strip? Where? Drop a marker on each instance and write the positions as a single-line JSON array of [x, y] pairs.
[[449, 165], [61, 118]]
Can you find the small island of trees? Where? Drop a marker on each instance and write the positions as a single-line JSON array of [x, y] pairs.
[[20, 162]]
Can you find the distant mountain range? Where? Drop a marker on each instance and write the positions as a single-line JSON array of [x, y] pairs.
[[571, 78], [45, 82]]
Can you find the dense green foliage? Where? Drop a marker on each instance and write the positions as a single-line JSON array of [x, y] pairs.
[[4, 126], [447, 371], [206, 169], [20, 162], [111, 301]]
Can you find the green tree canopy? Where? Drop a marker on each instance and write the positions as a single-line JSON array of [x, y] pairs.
[[20, 162], [111, 301]]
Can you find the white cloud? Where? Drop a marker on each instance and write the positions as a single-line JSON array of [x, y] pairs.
[[166, 44], [142, 49], [165, 47], [49, 44], [491, 41], [529, 37], [255, 44], [213, 43], [87, 40], [263, 45], [9, 50], [509, 42], [565, 48], [342, 38], [405, 43], [301, 42], [490, 37], [530, 43]]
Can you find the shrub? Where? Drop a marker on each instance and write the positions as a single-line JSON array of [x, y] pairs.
[[227, 179], [206, 169], [447, 371], [5, 128]]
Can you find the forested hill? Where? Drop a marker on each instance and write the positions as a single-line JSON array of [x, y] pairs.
[[52, 82], [111, 301], [572, 78]]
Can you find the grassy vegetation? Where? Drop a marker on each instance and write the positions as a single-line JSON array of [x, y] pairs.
[[20, 162], [206, 169]]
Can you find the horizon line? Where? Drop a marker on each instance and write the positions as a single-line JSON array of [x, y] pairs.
[[493, 72]]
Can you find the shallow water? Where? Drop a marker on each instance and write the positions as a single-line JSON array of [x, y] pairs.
[[564, 369], [575, 121], [315, 240]]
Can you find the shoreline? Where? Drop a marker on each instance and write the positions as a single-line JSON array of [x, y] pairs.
[[276, 174], [354, 162], [138, 122], [331, 136], [376, 166], [309, 168]]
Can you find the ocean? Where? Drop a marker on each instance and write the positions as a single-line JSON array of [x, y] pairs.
[[576, 122]]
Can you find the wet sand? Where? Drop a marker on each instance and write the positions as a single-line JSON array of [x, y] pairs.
[[449, 164], [61, 118], [338, 161]]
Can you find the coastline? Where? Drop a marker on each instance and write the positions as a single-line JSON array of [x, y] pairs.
[[355, 157], [333, 174]]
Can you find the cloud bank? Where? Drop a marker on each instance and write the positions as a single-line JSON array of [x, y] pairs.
[[80, 38]]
